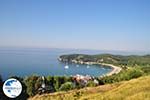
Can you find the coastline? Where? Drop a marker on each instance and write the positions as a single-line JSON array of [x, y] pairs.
[[115, 69]]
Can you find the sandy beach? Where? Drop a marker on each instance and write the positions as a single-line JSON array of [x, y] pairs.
[[115, 70]]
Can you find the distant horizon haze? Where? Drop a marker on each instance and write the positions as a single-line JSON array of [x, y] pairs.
[[120, 25], [77, 50]]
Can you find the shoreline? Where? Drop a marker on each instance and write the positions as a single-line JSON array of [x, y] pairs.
[[115, 69]]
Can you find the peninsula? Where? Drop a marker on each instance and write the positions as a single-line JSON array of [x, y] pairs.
[[116, 62]]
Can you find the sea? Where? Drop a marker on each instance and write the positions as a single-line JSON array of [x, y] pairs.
[[23, 62]]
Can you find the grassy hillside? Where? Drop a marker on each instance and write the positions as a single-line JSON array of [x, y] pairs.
[[136, 89]]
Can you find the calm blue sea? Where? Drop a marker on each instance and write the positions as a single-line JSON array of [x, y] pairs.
[[27, 61]]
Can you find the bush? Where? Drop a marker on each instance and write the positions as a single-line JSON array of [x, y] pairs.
[[66, 86], [134, 73], [146, 69], [91, 84], [122, 76]]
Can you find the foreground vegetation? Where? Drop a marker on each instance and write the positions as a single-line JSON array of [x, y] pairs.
[[132, 67], [32, 84], [135, 89]]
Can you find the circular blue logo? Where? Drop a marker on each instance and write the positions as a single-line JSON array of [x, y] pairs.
[[12, 88]]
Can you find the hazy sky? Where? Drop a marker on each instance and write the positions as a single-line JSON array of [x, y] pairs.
[[87, 24]]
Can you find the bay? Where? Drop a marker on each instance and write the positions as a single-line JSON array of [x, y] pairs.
[[40, 61]]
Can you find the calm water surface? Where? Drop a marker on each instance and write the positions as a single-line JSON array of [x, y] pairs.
[[24, 62]]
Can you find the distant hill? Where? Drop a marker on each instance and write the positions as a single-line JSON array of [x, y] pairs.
[[135, 89], [130, 61]]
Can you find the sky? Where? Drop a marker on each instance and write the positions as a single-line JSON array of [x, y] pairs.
[[80, 24]]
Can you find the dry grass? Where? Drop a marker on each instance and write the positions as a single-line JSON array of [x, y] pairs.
[[136, 89]]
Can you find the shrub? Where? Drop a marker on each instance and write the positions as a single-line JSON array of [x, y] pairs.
[[146, 69], [134, 73], [91, 84], [123, 75], [66, 86]]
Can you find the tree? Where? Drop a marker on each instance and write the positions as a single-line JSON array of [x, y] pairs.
[[31, 83], [56, 83]]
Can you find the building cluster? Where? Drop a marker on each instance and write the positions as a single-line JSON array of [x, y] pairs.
[[83, 80]]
